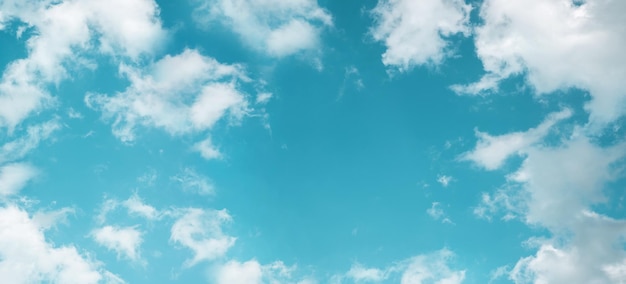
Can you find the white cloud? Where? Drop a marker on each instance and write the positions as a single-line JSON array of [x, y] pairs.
[[201, 231], [192, 99], [207, 150], [556, 45], [34, 135], [491, 151], [556, 187], [277, 28], [49, 219], [125, 241], [415, 32], [426, 268], [136, 206], [192, 181], [251, 272], [437, 213], [234, 272], [590, 255], [360, 274], [13, 177], [444, 180], [65, 31], [26, 256], [263, 98]]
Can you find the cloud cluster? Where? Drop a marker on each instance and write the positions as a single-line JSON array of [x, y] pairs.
[[64, 31], [276, 28], [27, 257], [416, 32], [426, 268], [200, 230], [557, 187], [192, 99], [555, 45]]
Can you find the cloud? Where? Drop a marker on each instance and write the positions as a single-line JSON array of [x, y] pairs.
[[426, 268], [201, 92], [13, 177], [28, 258], [125, 241], [590, 255], [192, 181], [556, 45], [437, 213], [415, 32], [234, 272], [252, 272], [556, 187], [359, 273], [444, 180], [49, 219], [207, 150], [491, 151], [65, 32], [201, 231], [34, 135], [136, 206], [276, 28]]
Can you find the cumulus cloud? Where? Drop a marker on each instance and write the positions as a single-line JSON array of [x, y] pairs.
[[13, 177], [556, 187], [27, 257], [125, 241], [201, 231], [492, 151], [201, 92], [556, 45], [207, 150], [66, 31], [276, 28], [416, 32], [425, 268]]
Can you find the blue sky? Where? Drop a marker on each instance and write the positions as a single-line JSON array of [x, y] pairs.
[[269, 141]]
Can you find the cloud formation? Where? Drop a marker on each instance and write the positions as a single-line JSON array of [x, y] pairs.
[[555, 45], [65, 32], [416, 32], [201, 92], [276, 28]]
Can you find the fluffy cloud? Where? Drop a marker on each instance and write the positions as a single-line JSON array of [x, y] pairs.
[[491, 151], [426, 268], [192, 99], [13, 177], [125, 241], [415, 32], [201, 231], [556, 187], [207, 150], [136, 206], [65, 31], [556, 44], [277, 28], [27, 257], [252, 272]]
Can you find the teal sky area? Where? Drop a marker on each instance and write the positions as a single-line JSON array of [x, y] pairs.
[[270, 141]]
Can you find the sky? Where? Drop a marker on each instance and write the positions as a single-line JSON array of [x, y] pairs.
[[312, 141]]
